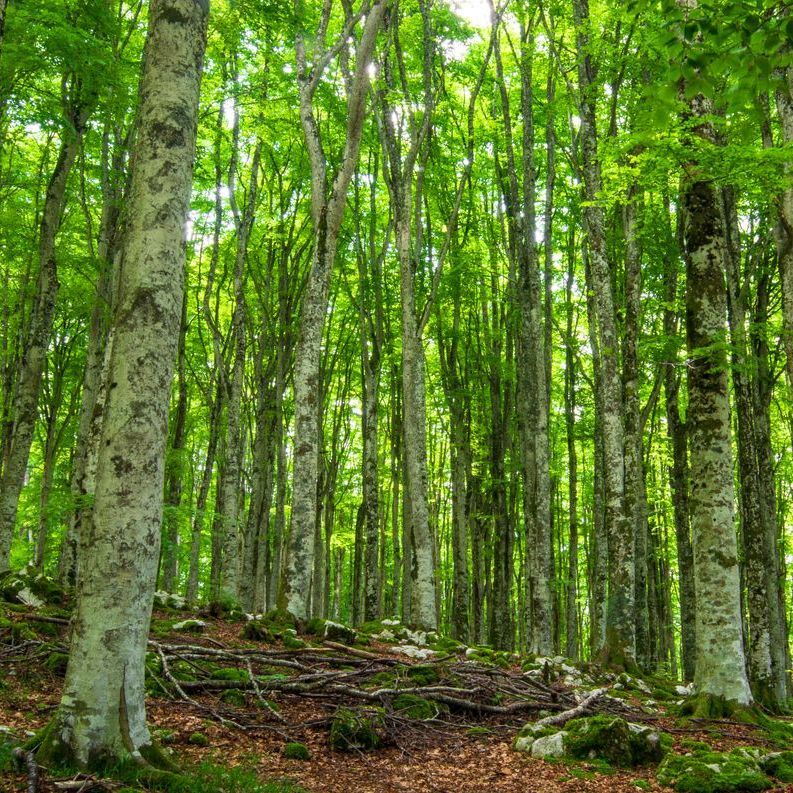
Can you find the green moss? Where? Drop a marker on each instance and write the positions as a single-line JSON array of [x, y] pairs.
[[372, 627], [412, 707], [445, 644], [281, 618], [695, 746], [381, 680], [258, 631], [296, 751], [478, 732], [56, 663], [423, 675], [240, 675], [198, 739], [315, 627], [233, 696], [713, 772], [779, 765], [356, 728], [708, 706], [291, 642], [642, 784], [612, 739]]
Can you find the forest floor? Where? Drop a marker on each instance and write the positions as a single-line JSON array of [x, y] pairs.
[[216, 696]]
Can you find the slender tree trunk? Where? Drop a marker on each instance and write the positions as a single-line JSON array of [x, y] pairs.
[[620, 629], [31, 365], [101, 718], [571, 603], [175, 470], [327, 213]]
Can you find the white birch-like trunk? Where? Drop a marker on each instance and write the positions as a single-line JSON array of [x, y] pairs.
[[102, 715], [328, 204]]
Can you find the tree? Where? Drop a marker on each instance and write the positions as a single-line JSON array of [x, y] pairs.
[[328, 201], [101, 718]]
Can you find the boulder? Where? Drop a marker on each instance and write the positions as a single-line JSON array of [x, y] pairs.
[[190, 626], [549, 745], [713, 772], [336, 632]]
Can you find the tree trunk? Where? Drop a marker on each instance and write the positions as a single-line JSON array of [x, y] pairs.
[[620, 629], [31, 366], [327, 211], [720, 665], [102, 718]]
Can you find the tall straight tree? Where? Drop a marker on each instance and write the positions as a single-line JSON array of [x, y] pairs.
[[102, 718], [619, 638], [720, 670], [328, 201]]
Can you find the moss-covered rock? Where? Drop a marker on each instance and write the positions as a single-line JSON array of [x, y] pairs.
[[713, 772], [258, 630], [356, 728], [336, 632], [315, 627], [230, 673], [189, 626], [291, 642], [30, 588], [198, 739], [281, 619], [296, 751], [412, 707], [614, 740], [57, 662], [778, 765], [445, 644]]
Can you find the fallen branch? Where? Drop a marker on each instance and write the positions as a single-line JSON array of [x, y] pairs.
[[560, 719]]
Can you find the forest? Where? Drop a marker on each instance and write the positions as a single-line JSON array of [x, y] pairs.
[[396, 395]]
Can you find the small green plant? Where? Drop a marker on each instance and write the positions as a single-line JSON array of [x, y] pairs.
[[296, 751]]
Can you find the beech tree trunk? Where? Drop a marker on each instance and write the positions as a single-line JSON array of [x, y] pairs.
[[620, 628], [31, 366], [101, 718], [720, 666], [327, 209]]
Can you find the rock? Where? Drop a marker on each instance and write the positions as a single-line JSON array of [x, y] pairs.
[[778, 765], [336, 632], [614, 740], [523, 743], [165, 600], [189, 626], [356, 728], [385, 636], [30, 588], [683, 691], [419, 653], [394, 621], [713, 772], [257, 630], [549, 745]]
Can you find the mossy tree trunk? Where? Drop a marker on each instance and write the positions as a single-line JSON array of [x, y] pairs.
[[101, 717], [720, 673]]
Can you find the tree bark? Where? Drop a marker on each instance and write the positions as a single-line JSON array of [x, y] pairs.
[[720, 665], [327, 209], [101, 718]]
